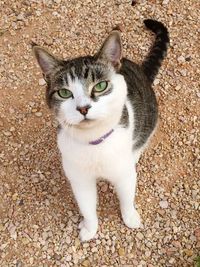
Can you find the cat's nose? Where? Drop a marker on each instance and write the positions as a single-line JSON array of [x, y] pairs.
[[83, 110]]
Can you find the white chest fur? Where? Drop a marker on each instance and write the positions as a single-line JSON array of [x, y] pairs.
[[100, 160]]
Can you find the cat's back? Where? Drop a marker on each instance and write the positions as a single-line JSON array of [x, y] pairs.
[[142, 99], [135, 77]]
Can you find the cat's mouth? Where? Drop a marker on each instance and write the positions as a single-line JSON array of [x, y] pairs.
[[85, 123], [86, 120]]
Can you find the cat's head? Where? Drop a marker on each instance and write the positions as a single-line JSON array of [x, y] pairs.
[[86, 91]]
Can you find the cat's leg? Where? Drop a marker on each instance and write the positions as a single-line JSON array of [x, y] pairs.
[[85, 193], [125, 185]]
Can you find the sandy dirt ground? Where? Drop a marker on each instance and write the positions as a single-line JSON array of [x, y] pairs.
[[38, 214]]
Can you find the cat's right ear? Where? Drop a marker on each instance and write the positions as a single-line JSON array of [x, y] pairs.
[[46, 61]]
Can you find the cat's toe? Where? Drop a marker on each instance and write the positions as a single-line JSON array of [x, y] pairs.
[[86, 235], [132, 219], [87, 232]]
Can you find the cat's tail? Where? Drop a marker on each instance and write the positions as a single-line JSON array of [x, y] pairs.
[[158, 51]]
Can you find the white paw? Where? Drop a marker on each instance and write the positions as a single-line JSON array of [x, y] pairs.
[[132, 219], [87, 230]]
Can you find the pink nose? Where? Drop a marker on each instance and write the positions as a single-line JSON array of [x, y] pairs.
[[83, 110]]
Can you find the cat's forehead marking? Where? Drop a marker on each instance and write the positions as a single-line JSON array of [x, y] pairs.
[[72, 73], [87, 68], [74, 84], [86, 72]]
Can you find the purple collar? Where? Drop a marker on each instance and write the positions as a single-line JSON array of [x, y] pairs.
[[102, 138]]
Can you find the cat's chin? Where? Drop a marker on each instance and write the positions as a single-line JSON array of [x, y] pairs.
[[85, 124]]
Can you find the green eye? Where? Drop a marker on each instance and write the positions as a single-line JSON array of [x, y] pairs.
[[100, 87], [64, 93]]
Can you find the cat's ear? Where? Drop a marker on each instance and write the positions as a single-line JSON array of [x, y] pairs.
[[111, 49], [46, 61]]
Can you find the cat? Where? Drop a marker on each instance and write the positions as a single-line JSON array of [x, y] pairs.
[[107, 111]]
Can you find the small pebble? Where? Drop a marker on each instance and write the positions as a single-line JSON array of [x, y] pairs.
[[189, 252], [86, 263], [7, 133], [104, 188], [42, 82], [163, 204], [20, 17], [165, 2], [140, 236], [38, 114], [178, 87], [121, 252], [181, 59]]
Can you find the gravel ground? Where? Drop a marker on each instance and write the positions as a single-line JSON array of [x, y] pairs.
[[38, 214]]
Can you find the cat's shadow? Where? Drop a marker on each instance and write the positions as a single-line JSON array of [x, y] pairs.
[[108, 203]]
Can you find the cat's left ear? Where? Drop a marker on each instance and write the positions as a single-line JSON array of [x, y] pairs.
[[111, 49]]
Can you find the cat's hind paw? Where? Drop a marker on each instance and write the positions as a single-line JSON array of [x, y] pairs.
[[132, 219], [87, 231]]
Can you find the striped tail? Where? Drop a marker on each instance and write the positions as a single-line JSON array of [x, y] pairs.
[[157, 53]]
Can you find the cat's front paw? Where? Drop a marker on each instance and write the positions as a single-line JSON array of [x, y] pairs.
[[132, 219], [87, 230]]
